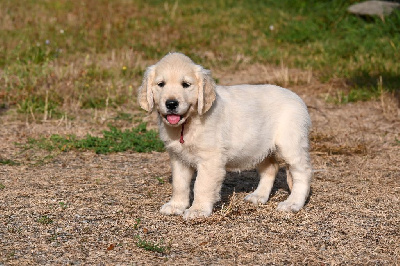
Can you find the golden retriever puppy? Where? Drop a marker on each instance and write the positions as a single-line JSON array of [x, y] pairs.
[[211, 129]]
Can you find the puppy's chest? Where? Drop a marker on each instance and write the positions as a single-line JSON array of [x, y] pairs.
[[186, 152]]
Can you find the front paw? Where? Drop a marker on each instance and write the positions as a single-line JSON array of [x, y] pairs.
[[255, 198], [193, 213], [173, 208], [290, 206]]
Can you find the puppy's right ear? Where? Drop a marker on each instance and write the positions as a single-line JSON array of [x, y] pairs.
[[145, 94]]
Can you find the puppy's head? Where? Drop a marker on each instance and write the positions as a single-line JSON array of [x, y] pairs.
[[177, 88]]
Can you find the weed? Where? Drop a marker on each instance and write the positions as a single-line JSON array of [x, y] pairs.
[[53, 237], [45, 220], [8, 162], [63, 205], [41, 143], [137, 222], [10, 255], [160, 180], [354, 95], [2, 186], [151, 246]]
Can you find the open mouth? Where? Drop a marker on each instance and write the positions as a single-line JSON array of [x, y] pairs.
[[173, 119]]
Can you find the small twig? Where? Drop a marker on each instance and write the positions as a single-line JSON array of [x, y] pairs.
[[31, 111], [319, 170], [60, 121], [104, 118], [380, 87], [46, 105], [66, 121]]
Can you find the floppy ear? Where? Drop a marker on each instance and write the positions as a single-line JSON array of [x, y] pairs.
[[206, 93], [145, 95]]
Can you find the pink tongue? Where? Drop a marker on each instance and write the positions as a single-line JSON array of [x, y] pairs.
[[173, 119]]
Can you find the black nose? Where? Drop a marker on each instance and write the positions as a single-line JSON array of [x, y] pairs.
[[171, 104]]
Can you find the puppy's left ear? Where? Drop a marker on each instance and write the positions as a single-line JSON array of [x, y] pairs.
[[145, 94], [206, 93]]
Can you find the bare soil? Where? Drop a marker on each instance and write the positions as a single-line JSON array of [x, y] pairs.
[[84, 208]]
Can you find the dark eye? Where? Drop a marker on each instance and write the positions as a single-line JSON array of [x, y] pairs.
[[185, 84], [161, 84]]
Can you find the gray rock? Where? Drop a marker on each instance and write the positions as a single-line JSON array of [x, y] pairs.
[[373, 8]]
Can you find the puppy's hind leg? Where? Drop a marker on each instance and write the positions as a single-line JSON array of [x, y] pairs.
[[267, 171], [299, 176]]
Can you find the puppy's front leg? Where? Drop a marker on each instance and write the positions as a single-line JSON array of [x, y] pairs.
[[181, 177], [207, 187]]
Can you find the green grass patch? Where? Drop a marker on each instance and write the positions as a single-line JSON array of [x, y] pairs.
[[152, 246], [8, 162], [37, 104], [354, 95], [45, 220], [2, 186], [38, 53], [138, 139]]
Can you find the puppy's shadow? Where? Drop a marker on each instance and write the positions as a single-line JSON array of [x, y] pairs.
[[245, 181]]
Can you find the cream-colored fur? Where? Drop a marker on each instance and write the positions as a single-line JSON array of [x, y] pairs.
[[226, 128]]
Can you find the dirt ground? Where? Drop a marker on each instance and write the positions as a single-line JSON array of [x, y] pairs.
[[84, 208]]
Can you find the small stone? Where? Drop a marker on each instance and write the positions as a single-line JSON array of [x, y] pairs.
[[373, 8]]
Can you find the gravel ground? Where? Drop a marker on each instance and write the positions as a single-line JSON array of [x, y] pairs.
[[84, 208]]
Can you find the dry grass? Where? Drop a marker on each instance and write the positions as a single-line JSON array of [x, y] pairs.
[[325, 145], [100, 205]]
